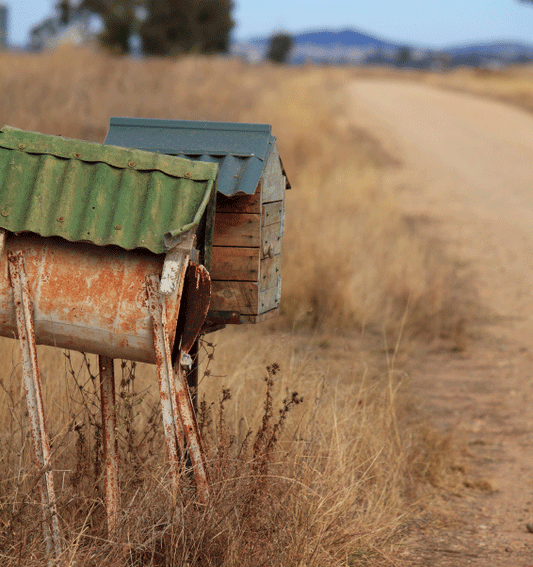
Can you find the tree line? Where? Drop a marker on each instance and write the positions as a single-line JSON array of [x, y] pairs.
[[164, 27]]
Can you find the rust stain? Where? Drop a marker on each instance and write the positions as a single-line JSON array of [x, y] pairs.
[[82, 288], [110, 442], [179, 412], [192, 434], [171, 426], [34, 401], [116, 296]]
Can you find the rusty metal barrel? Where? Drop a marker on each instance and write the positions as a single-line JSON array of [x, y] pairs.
[[86, 297]]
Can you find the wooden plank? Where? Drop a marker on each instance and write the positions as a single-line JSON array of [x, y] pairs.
[[260, 318], [273, 181], [269, 272], [243, 298], [271, 239], [240, 297], [238, 264], [237, 229], [219, 319], [273, 188], [242, 229], [242, 264], [270, 298], [239, 203], [272, 213]]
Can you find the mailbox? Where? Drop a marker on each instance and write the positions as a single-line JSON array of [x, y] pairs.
[[250, 207]]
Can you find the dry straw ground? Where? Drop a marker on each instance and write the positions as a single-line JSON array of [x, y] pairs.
[[330, 480]]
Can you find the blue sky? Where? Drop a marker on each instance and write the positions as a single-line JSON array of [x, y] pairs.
[[430, 23]]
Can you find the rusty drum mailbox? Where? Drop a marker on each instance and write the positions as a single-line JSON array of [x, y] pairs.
[[249, 219], [95, 249]]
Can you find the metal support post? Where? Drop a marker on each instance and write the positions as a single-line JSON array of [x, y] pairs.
[[167, 388], [192, 434], [178, 413], [34, 400], [110, 443]]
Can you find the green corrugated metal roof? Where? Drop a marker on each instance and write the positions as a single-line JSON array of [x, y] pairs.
[[239, 149], [82, 191]]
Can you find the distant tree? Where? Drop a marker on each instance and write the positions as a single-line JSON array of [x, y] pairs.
[[119, 21], [184, 26], [279, 48], [65, 11], [404, 56], [169, 26], [214, 21]]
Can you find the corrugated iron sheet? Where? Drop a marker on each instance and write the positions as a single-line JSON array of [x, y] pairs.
[[240, 150], [82, 191]]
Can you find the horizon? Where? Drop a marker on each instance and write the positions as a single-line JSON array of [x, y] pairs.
[[421, 25], [467, 43]]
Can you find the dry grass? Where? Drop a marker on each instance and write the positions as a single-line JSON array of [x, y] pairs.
[[513, 85], [343, 477], [350, 260], [335, 486]]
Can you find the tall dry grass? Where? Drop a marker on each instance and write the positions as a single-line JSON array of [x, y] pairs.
[[350, 261], [513, 85], [338, 483]]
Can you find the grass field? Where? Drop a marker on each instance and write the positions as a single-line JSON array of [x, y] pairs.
[[514, 85], [332, 479]]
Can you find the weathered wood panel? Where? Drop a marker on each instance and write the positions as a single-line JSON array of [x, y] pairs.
[[243, 264], [271, 239], [246, 266], [216, 318], [239, 264], [239, 203], [237, 229], [272, 213], [243, 229], [269, 272], [243, 297], [273, 181], [270, 298]]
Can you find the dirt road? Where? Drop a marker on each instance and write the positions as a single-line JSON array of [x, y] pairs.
[[468, 172]]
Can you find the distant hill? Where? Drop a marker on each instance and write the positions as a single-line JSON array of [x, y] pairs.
[[348, 38], [498, 49], [328, 38], [356, 47]]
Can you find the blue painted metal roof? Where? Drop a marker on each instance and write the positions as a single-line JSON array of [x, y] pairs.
[[239, 149]]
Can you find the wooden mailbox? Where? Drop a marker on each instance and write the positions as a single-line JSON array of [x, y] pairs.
[[247, 243]]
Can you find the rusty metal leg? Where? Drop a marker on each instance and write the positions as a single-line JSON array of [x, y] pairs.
[[109, 426], [192, 434], [167, 389], [32, 384], [178, 413]]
